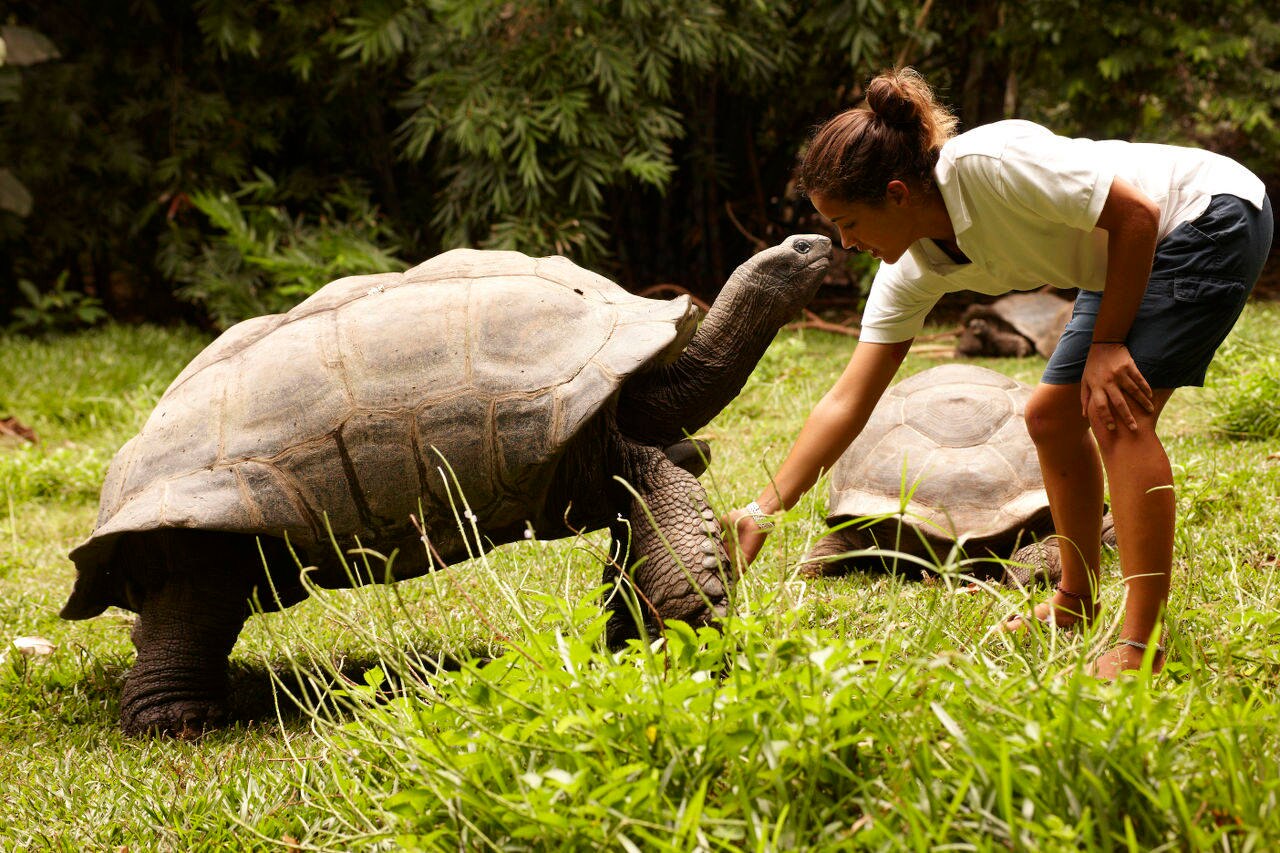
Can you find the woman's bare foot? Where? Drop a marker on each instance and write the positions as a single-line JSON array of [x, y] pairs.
[[1064, 610], [1125, 656]]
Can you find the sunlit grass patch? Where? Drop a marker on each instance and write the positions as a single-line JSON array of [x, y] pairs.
[[916, 728], [1247, 379]]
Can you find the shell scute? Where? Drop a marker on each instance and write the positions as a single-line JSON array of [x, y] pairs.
[[501, 342], [340, 292], [957, 416], [412, 348], [372, 443], [521, 432]]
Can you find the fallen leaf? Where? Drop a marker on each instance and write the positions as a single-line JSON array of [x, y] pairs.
[[34, 646], [15, 431]]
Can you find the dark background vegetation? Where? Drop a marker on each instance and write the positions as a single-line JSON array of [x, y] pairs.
[[212, 160]]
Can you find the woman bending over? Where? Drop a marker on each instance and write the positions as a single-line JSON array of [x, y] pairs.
[[1164, 243]]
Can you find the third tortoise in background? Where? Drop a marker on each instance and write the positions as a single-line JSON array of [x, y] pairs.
[[1017, 325]]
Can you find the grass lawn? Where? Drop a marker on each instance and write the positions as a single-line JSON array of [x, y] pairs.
[[864, 712]]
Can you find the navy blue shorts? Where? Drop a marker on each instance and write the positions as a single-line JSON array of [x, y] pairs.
[[1200, 279]]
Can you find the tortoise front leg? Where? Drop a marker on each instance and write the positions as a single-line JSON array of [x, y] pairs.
[[1043, 560], [676, 564]]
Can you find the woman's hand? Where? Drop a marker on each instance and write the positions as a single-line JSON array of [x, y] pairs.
[[1110, 381], [830, 427], [739, 525]]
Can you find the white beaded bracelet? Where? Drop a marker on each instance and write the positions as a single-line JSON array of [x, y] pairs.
[[757, 515]]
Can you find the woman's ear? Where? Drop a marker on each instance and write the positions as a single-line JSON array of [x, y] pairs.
[[897, 192]]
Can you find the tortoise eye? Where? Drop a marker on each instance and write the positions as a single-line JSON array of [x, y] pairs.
[[803, 246]]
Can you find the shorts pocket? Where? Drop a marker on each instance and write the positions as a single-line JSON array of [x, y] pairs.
[[1194, 235], [1205, 289], [1188, 252]]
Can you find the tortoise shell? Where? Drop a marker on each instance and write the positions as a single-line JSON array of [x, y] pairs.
[[946, 451], [341, 414], [1039, 316]]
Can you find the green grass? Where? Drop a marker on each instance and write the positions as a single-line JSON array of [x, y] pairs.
[[865, 712]]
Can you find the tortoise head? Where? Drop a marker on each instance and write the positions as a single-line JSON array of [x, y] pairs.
[[781, 280], [661, 406]]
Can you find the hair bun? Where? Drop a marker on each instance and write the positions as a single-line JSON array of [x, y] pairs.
[[892, 102], [895, 135]]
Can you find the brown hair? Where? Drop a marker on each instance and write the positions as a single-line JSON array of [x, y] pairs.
[[895, 135]]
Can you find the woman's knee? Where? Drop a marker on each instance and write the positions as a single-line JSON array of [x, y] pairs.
[[1053, 414]]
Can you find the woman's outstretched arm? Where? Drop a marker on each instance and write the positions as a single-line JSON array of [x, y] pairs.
[[831, 427]]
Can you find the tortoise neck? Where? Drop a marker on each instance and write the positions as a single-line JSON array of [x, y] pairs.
[[662, 406]]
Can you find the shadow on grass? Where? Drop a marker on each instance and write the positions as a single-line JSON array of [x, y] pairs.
[[263, 693], [268, 693]]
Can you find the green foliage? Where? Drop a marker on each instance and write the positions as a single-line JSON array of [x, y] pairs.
[[55, 310], [781, 734], [261, 259], [144, 112], [533, 112], [653, 139], [18, 46], [1246, 384], [1184, 72], [713, 741]]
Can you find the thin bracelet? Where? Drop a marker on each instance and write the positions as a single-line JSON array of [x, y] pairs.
[[757, 515]]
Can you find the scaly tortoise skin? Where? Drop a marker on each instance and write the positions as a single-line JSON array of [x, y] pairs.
[[944, 458], [523, 386]]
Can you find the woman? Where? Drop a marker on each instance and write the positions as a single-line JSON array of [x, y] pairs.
[[1165, 244]]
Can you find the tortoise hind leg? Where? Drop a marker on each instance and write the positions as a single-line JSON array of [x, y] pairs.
[[671, 544], [196, 602]]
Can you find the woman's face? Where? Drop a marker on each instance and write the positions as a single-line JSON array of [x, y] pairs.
[[885, 230]]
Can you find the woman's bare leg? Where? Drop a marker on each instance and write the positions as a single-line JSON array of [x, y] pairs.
[[1073, 454], [1142, 502], [1072, 470]]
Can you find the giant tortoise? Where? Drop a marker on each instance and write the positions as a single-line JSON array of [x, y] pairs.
[[944, 458], [1018, 324], [518, 393]]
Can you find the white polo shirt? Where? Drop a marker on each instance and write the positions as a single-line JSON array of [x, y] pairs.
[[1024, 203]]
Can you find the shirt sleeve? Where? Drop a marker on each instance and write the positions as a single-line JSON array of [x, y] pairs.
[[1063, 181], [898, 304]]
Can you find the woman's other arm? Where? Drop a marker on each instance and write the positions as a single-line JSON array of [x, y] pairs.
[[1110, 379]]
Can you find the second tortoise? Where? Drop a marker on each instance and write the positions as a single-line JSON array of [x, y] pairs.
[[944, 459]]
